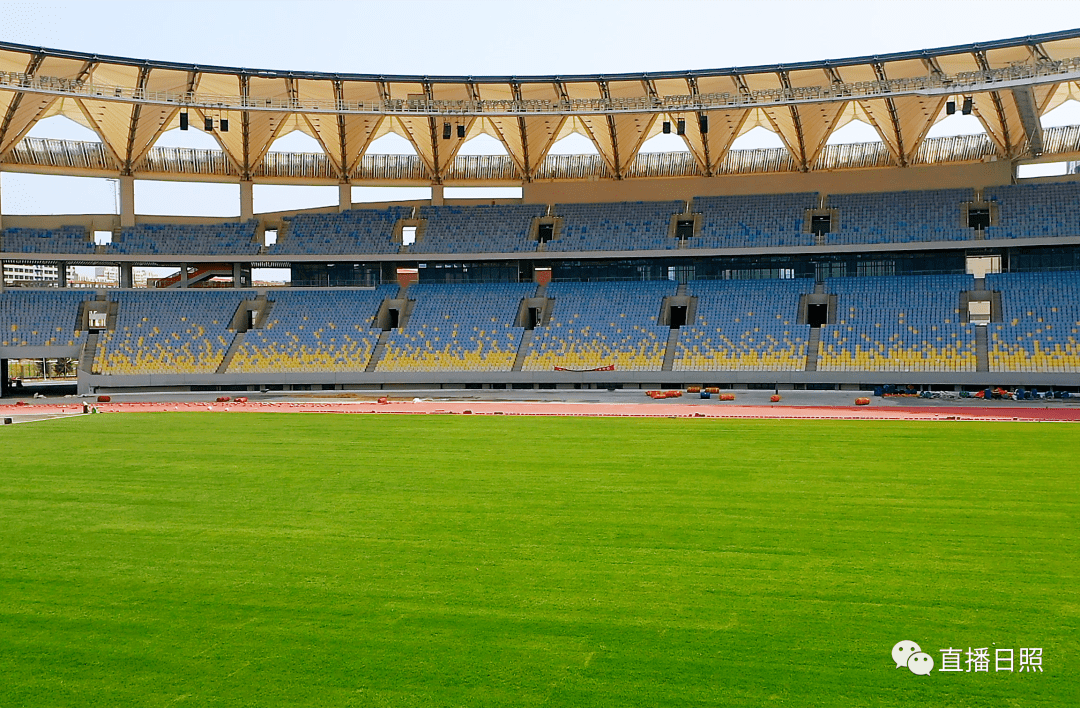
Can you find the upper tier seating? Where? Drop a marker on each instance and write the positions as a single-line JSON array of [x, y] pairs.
[[347, 232], [900, 217], [231, 238], [620, 226], [1035, 210], [600, 324], [478, 229], [314, 330], [41, 318], [459, 327], [898, 323], [66, 239], [1040, 322], [758, 220], [169, 331], [745, 325]]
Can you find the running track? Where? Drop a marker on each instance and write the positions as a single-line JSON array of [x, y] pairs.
[[632, 410]]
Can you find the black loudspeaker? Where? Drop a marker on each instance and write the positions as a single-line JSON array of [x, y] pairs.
[[966, 110], [703, 124], [446, 130], [667, 127], [461, 131], [183, 121], [950, 107], [208, 124], [224, 125], [680, 127]]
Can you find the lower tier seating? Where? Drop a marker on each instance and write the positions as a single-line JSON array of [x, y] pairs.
[[169, 331], [459, 328], [898, 323], [1040, 323], [41, 318], [602, 324], [745, 325], [314, 330]]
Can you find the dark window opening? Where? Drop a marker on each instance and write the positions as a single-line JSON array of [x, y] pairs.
[[979, 219], [534, 318], [821, 224], [678, 316], [545, 232], [392, 318], [684, 228], [817, 315]]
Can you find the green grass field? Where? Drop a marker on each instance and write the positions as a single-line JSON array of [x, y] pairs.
[[333, 560]]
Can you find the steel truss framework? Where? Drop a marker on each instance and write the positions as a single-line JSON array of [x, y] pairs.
[[130, 103]]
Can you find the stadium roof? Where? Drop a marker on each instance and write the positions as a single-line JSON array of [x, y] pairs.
[[129, 103]]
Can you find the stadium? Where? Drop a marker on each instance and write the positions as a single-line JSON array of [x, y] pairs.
[[592, 546]]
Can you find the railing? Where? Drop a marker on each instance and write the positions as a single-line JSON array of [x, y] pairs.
[[46, 152], [1055, 71], [43, 152], [187, 161]]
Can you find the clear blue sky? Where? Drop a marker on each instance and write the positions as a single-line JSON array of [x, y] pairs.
[[459, 37]]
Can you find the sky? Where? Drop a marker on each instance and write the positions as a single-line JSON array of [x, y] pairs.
[[461, 37]]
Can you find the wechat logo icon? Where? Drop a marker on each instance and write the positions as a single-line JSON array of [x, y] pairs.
[[908, 653]]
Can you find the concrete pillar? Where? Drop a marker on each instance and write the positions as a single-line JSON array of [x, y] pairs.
[[237, 275], [247, 200], [127, 201], [344, 191], [183, 275], [61, 274], [1, 276], [436, 195], [125, 275]]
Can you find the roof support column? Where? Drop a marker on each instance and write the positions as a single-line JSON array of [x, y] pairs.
[[127, 201], [436, 195], [125, 275], [1, 276], [344, 196], [61, 274], [247, 200]]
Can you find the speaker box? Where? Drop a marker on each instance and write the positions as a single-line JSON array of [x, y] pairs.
[[950, 107], [224, 125], [446, 131], [208, 124], [461, 131], [968, 102], [183, 121], [667, 127], [703, 124], [680, 127]]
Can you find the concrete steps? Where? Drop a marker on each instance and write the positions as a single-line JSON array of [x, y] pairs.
[[378, 351], [982, 356], [86, 361], [238, 339], [669, 353], [812, 346], [523, 348]]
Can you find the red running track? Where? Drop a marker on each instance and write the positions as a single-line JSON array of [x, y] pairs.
[[632, 410]]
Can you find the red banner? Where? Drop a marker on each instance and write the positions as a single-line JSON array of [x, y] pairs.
[[609, 367]]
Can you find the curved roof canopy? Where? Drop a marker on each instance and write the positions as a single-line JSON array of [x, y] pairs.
[[129, 103]]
